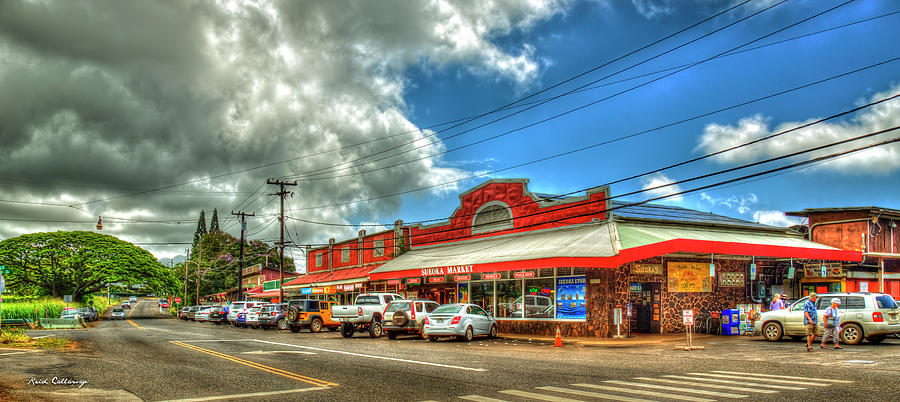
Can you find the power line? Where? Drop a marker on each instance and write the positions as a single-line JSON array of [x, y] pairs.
[[553, 117], [319, 172], [627, 205]]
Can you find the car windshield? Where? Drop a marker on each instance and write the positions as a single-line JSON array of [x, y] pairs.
[[885, 301], [447, 309], [118, 310], [368, 300], [402, 306], [237, 306]]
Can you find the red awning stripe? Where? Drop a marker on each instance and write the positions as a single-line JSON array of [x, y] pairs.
[[254, 290], [337, 275], [651, 250], [271, 293]]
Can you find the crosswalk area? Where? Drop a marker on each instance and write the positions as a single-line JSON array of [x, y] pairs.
[[697, 387]]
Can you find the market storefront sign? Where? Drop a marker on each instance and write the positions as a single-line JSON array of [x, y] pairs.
[[491, 276], [814, 270], [393, 282], [306, 291], [462, 278], [646, 269], [452, 270], [436, 279], [527, 274], [413, 281]]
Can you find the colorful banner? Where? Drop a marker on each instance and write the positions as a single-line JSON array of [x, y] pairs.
[[570, 297], [462, 293]]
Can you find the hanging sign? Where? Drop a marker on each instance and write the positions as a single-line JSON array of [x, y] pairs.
[[527, 274], [413, 281], [393, 282], [462, 278], [435, 279], [491, 276], [790, 273]]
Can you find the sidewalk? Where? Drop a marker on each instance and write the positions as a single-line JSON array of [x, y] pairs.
[[638, 340]]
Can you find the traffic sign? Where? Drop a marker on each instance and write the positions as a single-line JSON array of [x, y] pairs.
[[177, 300], [687, 317]]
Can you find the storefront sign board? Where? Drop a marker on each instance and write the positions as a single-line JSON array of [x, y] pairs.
[[646, 269], [305, 291], [570, 297], [451, 270], [528, 274], [490, 276], [687, 317], [413, 281], [689, 277], [462, 278], [435, 279], [393, 282], [814, 270]]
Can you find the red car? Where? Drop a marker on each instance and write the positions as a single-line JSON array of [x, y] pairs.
[[164, 305]]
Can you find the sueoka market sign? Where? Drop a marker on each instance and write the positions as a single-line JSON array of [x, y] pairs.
[[458, 269]]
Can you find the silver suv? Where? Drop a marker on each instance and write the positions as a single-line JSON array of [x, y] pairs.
[[407, 317], [872, 316]]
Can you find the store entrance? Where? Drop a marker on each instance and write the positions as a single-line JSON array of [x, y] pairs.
[[644, 302], [441, 294]]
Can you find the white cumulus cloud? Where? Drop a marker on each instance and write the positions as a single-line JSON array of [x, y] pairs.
[[658, 179], [775, 218]]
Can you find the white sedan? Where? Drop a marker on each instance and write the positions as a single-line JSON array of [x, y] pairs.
[[463, 321]]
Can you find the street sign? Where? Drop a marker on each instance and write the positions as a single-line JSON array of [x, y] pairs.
[[177, 300], [687, 317]]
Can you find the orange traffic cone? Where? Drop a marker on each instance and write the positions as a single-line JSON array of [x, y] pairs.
[[558, 342]]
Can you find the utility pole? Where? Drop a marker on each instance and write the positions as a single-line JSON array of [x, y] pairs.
[[243, 215], [281, 194], [199, 258], [187, 252]]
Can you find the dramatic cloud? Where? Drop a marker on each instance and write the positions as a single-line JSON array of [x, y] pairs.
[[741, 204], [880, 160], [659, 179], [102, 98], [775, 218]]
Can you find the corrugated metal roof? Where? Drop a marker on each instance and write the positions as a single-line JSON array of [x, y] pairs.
[[637, 234], [678, 214], [588, 240]]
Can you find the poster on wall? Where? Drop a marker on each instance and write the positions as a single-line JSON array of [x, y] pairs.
[[462, 293], [570, 297], [689, 277]]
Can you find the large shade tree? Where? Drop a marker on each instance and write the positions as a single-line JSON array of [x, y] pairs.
[[79, 263]]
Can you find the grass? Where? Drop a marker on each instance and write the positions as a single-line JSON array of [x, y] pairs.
[[17, 307], [16, 338]]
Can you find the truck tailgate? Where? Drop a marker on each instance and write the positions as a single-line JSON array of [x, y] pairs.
[[344, 311]]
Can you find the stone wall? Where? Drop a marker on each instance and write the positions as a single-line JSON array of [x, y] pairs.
[[719, 299]]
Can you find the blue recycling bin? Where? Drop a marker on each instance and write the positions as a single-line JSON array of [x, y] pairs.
[[731, 322]]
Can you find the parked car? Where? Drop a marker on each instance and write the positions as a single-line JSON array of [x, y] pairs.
[[218, 315], [133, 299], [252, 317], [463, 321], [190, 313], [535, 307], [272, 316], [238, 307], [90, 314], [126, 304], [407, 317], [312, 314], [870, 316], [202, 313], [164, 304], [183, 311], [117, 313], [71, 313], [364, 314]]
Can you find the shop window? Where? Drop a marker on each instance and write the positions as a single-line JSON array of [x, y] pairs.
[[491, 218], [509, 299], [482, 294], [378, 250], [318, 260], [563, 271], [539, 297], [579, 271], [345, 254], [545, 273]]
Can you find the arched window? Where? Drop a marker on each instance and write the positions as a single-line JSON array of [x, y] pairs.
[[491, 218]]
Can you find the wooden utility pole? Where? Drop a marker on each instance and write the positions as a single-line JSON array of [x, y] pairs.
[[281, 194], [199, 258], [243, 215]]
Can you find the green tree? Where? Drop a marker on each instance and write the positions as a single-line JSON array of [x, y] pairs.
[[214, 222], [201, 227], [79, 263]]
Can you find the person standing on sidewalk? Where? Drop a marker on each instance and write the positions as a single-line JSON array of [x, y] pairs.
[[832, 324], [777, 303], [811, 320]]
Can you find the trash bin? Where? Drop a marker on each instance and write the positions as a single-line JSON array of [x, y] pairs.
[[731, 322]]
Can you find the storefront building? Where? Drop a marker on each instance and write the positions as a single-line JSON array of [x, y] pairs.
[[872, 231], [536, 261]]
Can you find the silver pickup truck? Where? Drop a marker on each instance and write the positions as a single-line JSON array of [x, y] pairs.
[[364, 314]]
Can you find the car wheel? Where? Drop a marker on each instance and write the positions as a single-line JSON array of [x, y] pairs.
[[282, 324], [469, 335], [347, 330], [851, 334], [315, 326], [772, 331], [493, 333], [295, 329], [375, 330], [876, 338], [391, 334], [431, 338]]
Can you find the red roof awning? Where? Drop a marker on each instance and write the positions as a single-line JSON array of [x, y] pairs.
[[254, 290], [337, 275], [271, 293]]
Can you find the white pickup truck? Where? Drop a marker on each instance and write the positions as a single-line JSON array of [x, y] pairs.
[[364, 314]]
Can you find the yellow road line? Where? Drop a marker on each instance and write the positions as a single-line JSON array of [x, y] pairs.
[[258, 366], [135, 325]]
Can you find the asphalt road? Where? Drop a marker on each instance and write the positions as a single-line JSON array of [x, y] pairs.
[[150, 357]]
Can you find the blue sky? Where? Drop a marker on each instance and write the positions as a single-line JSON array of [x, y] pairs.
[[590, 34]]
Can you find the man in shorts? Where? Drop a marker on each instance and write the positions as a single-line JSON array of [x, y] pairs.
[[811, 320]]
